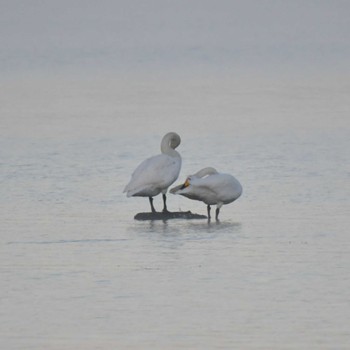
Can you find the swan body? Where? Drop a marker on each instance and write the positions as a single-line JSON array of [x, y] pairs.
[[155, 174], [210, 187]]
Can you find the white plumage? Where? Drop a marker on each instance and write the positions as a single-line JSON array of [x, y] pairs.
[[154, 175], [210, 187]]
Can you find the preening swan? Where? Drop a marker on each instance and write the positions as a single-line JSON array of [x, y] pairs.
[[154, 175], [210, 187]]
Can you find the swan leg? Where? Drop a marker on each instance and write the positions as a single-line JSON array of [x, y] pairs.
[[151, 202], [165, 209], [208, 208], [217, 214]]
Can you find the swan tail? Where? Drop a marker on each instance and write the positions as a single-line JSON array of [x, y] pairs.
[[136, 192]]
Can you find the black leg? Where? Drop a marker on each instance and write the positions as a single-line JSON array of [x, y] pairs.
[[151, 202], [217, 214], [208, 208], [165, 209]]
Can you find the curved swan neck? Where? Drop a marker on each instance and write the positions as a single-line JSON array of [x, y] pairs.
[[169, 142], [205, 171]]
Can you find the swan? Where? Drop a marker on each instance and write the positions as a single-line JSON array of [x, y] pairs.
[[210, 187], [154, 175]]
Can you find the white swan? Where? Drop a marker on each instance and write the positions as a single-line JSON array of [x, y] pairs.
[[210, 187], [154, 175]]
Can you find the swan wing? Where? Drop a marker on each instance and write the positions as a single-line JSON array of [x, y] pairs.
[[225, 187], [153, 175], [196, 190], [213, 189]]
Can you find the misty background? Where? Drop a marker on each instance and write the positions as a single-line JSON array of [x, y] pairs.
[[258, 89], [113, 37]]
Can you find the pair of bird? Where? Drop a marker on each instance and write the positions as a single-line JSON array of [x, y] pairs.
[[155, 175]]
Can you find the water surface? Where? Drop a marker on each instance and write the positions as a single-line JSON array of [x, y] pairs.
[[78, 272]]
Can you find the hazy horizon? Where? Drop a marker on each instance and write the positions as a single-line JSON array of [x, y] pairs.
[[243, 37]]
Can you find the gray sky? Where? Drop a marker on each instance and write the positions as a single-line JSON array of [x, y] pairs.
[[233, 35]]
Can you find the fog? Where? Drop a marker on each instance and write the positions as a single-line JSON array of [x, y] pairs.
[[242, 37], [256, 89]]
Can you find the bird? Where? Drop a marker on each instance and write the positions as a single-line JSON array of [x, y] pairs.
[[155, 174], [211, 187]]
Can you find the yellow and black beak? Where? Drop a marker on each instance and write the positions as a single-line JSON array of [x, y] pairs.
[[186, 184]]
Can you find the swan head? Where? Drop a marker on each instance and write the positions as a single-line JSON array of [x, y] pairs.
[[170, 141], [178, 188], [186, 183]]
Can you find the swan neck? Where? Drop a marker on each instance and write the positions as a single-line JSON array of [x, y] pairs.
[[169, 142], [205, 171]]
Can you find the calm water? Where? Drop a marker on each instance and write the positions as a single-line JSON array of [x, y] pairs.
[[77, 272]]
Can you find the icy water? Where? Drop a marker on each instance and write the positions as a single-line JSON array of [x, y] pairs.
[[78, 272]]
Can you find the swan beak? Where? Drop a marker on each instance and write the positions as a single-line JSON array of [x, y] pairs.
[[175, 189], [186, 184]]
